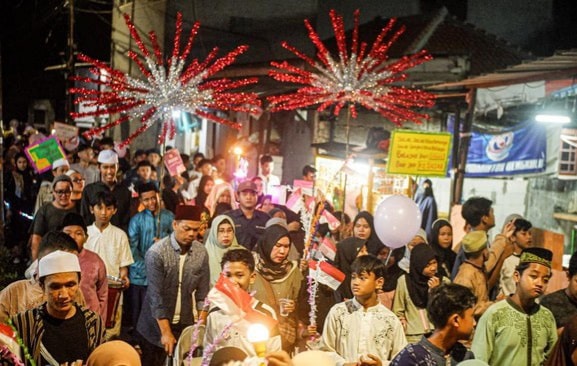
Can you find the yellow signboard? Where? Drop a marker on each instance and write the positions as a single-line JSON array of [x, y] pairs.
[[419, 153]]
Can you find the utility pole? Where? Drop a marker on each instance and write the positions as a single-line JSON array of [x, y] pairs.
[[70, 62]]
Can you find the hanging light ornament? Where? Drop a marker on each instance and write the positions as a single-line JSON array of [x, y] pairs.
[[362, 77], [165, 89]]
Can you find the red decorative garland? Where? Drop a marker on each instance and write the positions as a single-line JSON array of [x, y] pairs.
[[170, 86], [362, 77]]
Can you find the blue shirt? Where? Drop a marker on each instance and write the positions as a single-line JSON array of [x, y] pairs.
[[142, 231]]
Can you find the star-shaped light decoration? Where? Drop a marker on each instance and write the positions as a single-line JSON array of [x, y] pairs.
[[166, 87], [362, 77]]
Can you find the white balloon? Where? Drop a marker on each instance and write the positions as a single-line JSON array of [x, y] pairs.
[[397, 220]]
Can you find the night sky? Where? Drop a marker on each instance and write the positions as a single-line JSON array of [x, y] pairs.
[[33, 36]]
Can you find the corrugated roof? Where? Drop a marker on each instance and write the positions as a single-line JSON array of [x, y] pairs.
[[561, 65], [449, 37]]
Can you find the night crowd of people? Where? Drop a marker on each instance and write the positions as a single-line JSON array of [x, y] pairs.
[[122, 256]]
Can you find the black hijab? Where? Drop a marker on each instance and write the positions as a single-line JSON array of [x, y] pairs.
[[347, 251], [374, 244], [394, 272], [445, 256], [417, 282]]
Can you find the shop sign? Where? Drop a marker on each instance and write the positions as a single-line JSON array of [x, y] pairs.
[[419, 153]]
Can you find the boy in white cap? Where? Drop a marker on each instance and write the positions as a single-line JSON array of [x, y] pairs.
[[47, 330], [108, 166], [23, 295]]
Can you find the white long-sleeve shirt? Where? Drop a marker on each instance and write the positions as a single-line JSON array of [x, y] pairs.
[[351, 331]]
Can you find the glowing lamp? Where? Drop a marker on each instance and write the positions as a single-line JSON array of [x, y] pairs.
[[257, 334], [553, 118], [237, 150]]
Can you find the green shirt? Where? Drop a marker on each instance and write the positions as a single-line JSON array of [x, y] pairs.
[[506, 335]]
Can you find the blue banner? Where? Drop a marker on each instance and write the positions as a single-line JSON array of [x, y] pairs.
[[521, 151]]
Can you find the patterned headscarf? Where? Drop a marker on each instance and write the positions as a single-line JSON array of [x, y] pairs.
[[268, 269]]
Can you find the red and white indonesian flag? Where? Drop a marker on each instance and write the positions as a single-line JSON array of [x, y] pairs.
[[237, 303], [8, 343], [325, 273], [329, 218], [328, 248], [295, 202]]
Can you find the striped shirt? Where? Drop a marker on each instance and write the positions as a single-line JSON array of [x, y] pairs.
[[30, 327]]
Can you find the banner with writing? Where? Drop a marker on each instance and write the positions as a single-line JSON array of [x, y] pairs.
[[173, 162], [419, 153], [43, 153], [520, 151], [67, 134]]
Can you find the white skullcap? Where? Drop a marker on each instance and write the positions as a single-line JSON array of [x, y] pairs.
[[107, 157], [318, 358], [58, 262], [70, 172], [60, 162]]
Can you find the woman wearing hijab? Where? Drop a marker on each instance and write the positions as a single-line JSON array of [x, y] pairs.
[[20, 195], [412, 294], [427, 206], [419, 238], [220, 193], [221, 238], [278, 280], [441, 241], [364, 228], [347, 251]]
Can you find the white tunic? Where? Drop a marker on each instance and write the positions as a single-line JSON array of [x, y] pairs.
[[351, 331], [112, 246]]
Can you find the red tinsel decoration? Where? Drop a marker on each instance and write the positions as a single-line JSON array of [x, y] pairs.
[[166, 87], [359, 77]]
